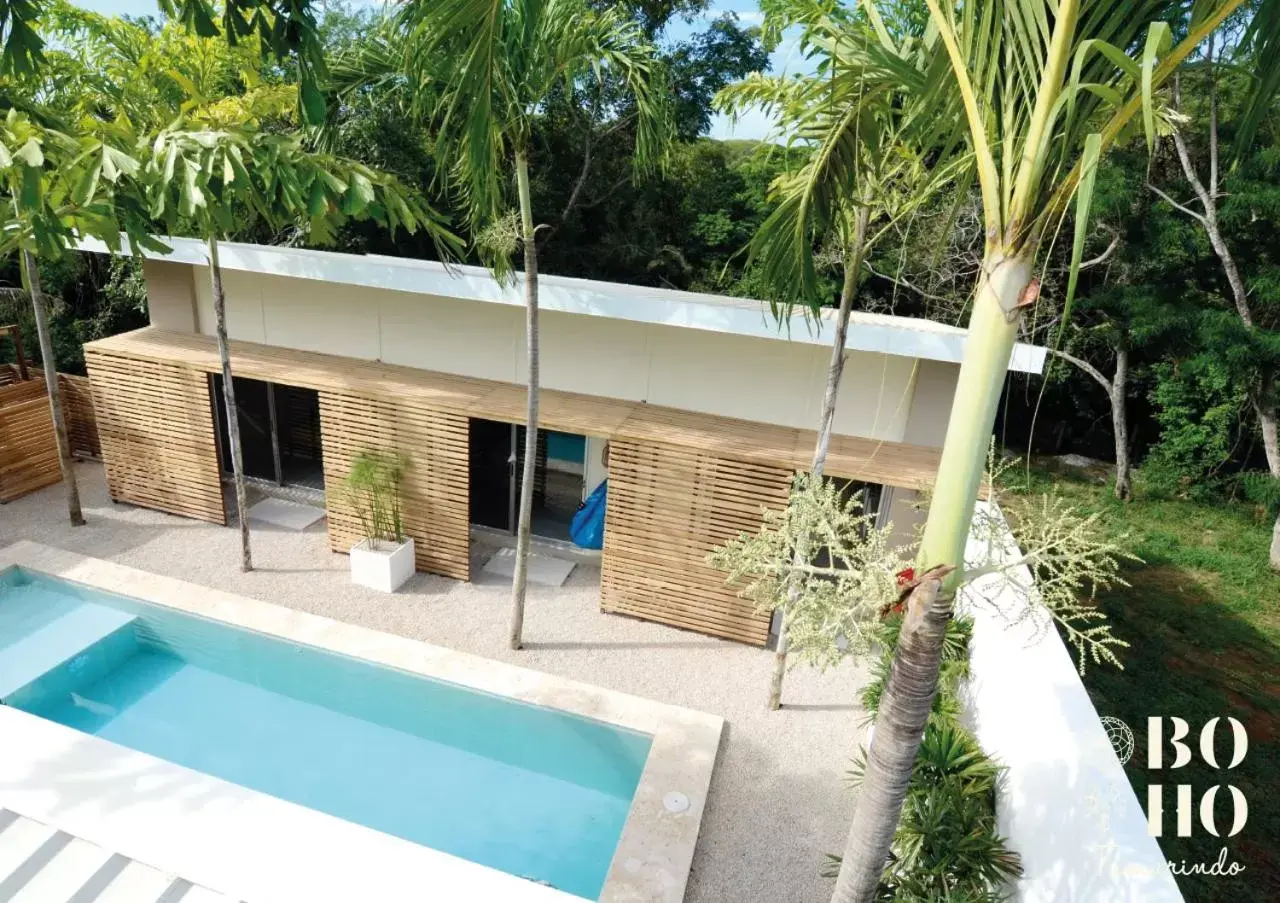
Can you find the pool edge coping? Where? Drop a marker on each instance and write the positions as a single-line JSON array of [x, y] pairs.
[[654, 855]]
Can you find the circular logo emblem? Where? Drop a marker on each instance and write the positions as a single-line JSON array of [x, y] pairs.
[[1120, 736]]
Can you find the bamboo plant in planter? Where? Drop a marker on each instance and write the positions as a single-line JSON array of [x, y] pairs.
[[384, 558]]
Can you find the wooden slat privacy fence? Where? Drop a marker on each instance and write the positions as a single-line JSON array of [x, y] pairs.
[[434, 495], [155, 426], [668, 508], [28, 449]]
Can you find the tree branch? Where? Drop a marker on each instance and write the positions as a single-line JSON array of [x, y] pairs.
[[1213, 121], [1184, 158], [1084, 365], [586, 163], [907, 285], [582, 180], [1102, 258], [1198, 217]]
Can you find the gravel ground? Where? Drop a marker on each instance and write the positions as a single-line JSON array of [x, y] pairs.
[[777, 803]]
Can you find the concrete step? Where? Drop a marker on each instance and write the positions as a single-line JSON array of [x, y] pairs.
[[56, 643]]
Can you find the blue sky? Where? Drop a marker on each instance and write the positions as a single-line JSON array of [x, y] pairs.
[[751, 125]]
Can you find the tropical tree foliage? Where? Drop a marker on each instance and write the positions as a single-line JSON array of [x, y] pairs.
[[1044, 88], [481, 73], [61, 186], [213, 181], [862, 167]]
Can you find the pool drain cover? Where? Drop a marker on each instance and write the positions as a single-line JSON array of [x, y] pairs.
[[675, 801]]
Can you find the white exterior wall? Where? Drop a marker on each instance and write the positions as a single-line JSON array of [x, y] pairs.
[[171, 298], [1065, 803], [935, 388], [766, 380], [594, 470], [931, 403]]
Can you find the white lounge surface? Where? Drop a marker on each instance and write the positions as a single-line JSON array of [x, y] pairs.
[[40, 864], [544, 570], [285, 514], [54, 643]]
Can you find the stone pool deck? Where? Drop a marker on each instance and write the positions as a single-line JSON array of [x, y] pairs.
[[777, 802]]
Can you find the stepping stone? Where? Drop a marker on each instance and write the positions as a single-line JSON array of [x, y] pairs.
[[286, 515], [544, 570]]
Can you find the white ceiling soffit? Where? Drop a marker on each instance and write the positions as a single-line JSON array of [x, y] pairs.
[[880, 333]]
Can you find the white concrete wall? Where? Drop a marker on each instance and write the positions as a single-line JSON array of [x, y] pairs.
[[934, 388], [1066, 805], [755, 379], [931, 403], [171, 298]]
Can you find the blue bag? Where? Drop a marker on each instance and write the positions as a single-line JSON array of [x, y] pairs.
[[587, 527]]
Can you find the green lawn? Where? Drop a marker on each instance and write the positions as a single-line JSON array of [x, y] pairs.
[[1202, 617]]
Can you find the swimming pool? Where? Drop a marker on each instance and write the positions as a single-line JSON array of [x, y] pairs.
[[534, 792]]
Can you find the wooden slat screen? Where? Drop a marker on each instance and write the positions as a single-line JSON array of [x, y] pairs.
[[77, 408], [155, 427], [668, 507], [851, 457], [28, 449], [434, 496]]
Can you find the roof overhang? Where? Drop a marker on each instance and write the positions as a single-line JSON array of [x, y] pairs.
[[869, 332]]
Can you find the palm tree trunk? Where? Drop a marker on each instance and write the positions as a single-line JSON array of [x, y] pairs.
[[229, 397], [1120, 424], [993, 328], [848, 291], [519, 578], [904, 710], [31, 276]]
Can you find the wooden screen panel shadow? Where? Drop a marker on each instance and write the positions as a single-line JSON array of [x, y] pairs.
[[156, 433], [668, 508], [434, 498]]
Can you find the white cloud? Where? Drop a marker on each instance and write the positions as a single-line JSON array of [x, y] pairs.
[[746, 17]]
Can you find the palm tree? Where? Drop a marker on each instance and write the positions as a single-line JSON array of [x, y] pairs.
[[861, 170], [77, 181], [62, 187], [1045, 87], [480, 73], [215, 180]]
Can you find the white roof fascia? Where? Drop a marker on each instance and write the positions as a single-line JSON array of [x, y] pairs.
[[876, 333]]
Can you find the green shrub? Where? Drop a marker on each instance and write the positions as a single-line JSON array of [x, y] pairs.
[[1263, 490], [1198, 406], [373, 490], [946, 846]]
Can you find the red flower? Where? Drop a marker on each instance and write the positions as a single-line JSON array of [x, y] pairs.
[[905, 576]]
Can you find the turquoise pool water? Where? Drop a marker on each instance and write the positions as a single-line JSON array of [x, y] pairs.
[[530, 791]]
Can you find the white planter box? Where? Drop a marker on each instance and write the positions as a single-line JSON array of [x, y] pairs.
[[381, 565]]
